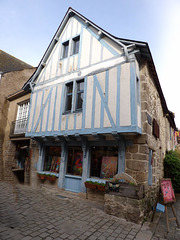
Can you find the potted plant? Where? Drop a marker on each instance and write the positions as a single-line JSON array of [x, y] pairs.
[[42, 176], [90, 184], [101, 187], [51, 178]]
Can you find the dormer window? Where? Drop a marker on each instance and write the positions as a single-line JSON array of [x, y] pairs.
[[75, 45], [65, 49]]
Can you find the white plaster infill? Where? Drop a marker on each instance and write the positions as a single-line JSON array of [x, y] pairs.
[[81, 73]]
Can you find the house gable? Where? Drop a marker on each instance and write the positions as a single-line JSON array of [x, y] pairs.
[[92, 50]]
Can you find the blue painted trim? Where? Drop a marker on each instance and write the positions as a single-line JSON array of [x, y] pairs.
[[126, 129], [121, 157], [73, 103], [106, 98], [80, 48], [90, 54], [49, 105], [84, 103], [76, 71], [73, 176], [35, 104], [74, 121], [150, 168], [67, 118], [133, 94], [42, 110], [61, 106], [106, 45], [96, 83], [118, 96], [54, 112], [93, 105], [30, 107]]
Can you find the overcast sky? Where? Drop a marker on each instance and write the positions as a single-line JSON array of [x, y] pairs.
[[27, 27]]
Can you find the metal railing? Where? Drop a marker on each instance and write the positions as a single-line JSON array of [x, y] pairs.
[[19, 126]]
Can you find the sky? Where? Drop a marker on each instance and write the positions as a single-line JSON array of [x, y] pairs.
[[27, 27]]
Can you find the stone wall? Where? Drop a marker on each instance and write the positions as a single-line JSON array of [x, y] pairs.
[[137, 155], [34, 156], [10, 83], [9, 161]]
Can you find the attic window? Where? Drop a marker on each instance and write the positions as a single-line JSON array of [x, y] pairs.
[[65, 46], [75, 45]]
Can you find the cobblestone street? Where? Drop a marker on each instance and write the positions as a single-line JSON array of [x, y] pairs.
[[41, 215]]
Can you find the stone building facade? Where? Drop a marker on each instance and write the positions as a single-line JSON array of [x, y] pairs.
[[13, 74]]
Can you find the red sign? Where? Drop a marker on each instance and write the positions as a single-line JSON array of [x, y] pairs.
[[167, 190]]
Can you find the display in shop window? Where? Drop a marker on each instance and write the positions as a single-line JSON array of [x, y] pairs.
[[108, 167]]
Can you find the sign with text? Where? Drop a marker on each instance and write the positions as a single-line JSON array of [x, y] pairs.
[[167, 190]]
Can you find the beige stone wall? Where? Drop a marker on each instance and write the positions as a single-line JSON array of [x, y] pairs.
[[10, 83], [34, 156]]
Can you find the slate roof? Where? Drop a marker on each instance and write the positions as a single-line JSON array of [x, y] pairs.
[[9, 63]]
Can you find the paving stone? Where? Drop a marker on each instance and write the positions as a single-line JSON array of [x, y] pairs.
[[39, 215]]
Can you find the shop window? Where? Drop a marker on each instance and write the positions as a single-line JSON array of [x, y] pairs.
[[75, 45], [74, 162], [65, 48], [77, 96], [52, 159], [104, 161]]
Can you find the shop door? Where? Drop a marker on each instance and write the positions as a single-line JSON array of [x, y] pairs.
[[74, 169]]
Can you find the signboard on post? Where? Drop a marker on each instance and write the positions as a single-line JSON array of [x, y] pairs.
[[167, 190]]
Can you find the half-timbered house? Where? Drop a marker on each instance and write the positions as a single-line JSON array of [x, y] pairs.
[[97, 109]]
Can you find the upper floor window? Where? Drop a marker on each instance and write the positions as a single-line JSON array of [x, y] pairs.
[[74, 96], [65, 49], [79, 94], [22, 117], [75, 45]]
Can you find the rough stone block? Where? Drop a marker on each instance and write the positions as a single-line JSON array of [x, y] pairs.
[[137, 165]]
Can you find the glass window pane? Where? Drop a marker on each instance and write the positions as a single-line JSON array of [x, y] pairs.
[[74, 163], [104, 162], [52, 159], [65, 49], [80, 94], [79, 101], [68, 103], [76, 41]]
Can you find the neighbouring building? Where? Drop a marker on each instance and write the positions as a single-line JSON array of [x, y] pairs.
[[13, 74], [96, 110]]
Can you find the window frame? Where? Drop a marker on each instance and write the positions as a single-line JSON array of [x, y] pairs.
[[74, 49], [74, 96], [65, 45]]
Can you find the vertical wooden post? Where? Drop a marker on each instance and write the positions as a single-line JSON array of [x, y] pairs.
[[167, 220]]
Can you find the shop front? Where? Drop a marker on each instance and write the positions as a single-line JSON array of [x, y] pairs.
[[73, 163]]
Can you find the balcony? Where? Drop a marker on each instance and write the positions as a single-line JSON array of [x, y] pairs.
[[18, 127]]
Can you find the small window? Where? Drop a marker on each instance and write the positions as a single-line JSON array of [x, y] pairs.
[[65, 49], [75, 45], [80, 94], [69, 94]]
